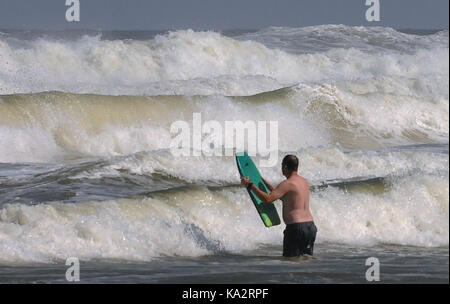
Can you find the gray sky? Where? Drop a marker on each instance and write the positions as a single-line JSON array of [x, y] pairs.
[[219, 14]]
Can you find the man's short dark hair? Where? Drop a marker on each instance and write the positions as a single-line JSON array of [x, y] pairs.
[[290, 162]]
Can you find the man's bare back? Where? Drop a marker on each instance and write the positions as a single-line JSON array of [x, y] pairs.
[[294, 192], [296, 200]]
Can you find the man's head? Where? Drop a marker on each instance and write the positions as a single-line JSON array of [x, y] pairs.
[[289, 165]]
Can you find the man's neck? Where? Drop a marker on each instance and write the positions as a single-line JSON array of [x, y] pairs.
[[293, 173]]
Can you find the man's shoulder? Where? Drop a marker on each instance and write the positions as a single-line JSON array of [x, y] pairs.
[[304, 180], [300, 180], [294, 182], [283, 183]]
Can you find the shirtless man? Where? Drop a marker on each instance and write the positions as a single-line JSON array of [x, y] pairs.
[[300, 232]]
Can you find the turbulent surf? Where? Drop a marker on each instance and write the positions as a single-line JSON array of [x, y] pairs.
[[85, 161]]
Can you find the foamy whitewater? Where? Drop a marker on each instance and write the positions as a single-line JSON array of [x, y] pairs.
[[85, 162]]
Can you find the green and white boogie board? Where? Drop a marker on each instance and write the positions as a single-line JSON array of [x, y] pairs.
[[247, 168]]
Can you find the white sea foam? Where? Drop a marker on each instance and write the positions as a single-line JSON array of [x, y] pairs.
[[317, 165], [359, 92], [199, 221], [413, 212], [354, 115], [188, 62]]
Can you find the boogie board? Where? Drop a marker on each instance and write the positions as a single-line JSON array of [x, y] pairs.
[[247, 168]]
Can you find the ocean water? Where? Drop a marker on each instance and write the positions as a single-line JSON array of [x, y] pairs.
[[86, 169]]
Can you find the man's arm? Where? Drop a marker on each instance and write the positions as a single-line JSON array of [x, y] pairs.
[[277, 193]]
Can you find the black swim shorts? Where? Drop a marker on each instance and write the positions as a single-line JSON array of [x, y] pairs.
[[299, 239]]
